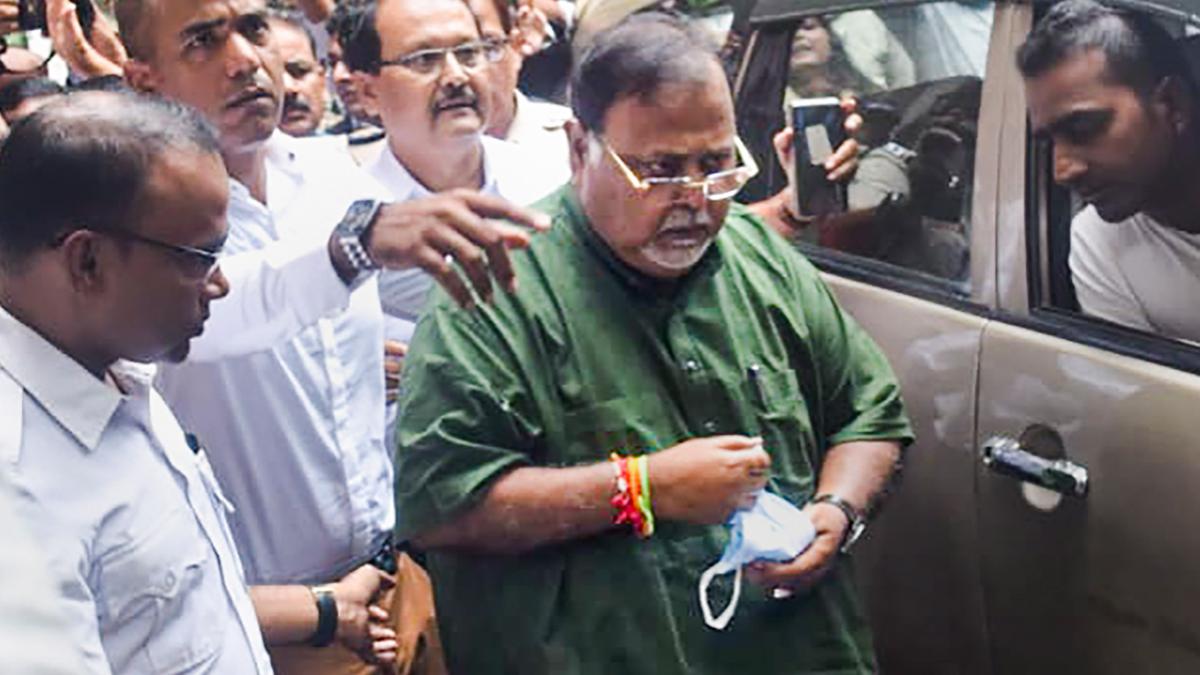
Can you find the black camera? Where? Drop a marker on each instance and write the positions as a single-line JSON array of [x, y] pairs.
[[31, 14]]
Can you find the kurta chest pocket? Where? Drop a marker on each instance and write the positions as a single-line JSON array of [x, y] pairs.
[[628, 425], [154, 590], [782, 420]]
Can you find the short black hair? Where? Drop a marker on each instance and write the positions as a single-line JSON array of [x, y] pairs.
[[355, 25], [637, 57], [1139, 51], [82, 161], [292, 17], [14, 94]]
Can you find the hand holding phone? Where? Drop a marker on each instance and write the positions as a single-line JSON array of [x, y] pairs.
[[819, 129]]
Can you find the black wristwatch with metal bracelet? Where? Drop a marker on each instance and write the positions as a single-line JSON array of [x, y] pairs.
[[858, 522], [352, 235]]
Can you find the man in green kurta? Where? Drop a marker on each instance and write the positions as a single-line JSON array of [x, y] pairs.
[[655, 317]]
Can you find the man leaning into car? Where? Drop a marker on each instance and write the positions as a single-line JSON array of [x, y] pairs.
[[1113, 91]]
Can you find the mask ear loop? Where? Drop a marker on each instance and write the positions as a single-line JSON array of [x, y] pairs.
[[706, 579]]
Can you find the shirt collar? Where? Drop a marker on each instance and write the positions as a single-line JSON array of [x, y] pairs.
[[81, 403], [284, 174], [641, 284], [398, 180]]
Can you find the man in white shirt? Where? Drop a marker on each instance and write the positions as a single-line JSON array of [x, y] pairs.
[[1113, 91], [129, 517], [435, 109], [286, 390], [538, 127]]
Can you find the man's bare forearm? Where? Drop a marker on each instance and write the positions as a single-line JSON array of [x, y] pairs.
[[529, 508], [287, 614], [858, 471]]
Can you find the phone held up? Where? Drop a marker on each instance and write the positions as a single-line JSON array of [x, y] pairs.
[[820, 126], [31, 14]]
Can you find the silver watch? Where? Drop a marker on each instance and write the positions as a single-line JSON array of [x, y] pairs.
[[352, 234]]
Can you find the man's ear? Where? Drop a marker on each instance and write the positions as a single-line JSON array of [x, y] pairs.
[[1175, 102], [141, 76], [577, 143], [82, 256]]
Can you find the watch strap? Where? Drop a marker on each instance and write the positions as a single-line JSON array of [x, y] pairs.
[[327, 616], [857, 523]]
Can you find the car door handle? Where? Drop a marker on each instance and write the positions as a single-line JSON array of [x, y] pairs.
[[1005, 455]]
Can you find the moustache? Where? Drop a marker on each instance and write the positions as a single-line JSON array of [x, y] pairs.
[[456, 97], [682, 218], [293, 103], [259, 85]]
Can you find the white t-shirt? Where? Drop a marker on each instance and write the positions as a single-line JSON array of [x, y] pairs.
[[1137, 273]]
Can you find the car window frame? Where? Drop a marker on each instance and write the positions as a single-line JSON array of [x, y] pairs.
[[1044, 204], [967, 296]]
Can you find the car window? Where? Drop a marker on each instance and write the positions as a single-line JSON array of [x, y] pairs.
[[1106, 259], [917, 74]]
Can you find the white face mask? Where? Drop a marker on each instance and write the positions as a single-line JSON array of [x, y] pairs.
[[772, 530], [679, 255]]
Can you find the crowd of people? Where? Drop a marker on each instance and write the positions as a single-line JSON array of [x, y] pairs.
[[326, 346]]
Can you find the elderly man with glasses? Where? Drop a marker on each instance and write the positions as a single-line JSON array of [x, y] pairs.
[[568, 455]]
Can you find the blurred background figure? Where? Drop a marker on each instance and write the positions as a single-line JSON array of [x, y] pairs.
[[819, 66], [536, 126], [304, 81]]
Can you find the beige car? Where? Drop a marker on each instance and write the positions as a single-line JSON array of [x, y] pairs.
[[1047, 518]]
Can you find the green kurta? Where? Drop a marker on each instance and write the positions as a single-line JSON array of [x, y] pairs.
[[591, 357]]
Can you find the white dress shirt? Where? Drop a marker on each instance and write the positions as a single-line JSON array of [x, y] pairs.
[[131, 520], [295, 429], [509, 171]]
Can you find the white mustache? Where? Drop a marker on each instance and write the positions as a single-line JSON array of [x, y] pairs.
[[684, 219]]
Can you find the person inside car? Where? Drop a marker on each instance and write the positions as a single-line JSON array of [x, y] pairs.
[[1113, 92]]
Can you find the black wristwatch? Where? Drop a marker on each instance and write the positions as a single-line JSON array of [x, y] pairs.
[[327, 616], [353, 233], [858, 522]]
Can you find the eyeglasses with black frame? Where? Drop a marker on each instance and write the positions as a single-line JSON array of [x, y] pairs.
[[469, 55], [717, 186], [198, 263]]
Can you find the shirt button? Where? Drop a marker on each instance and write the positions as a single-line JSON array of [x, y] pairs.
[[710, 426], [691, 365], [168, 583]]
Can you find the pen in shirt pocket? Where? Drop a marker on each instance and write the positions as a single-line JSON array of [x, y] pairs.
[[754, 376]]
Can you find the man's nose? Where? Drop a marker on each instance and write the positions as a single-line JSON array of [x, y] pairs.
[[216, 286], [241, 57], [341, 72], [453, 72], [1069, 167]]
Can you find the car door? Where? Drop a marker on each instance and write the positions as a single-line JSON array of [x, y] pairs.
[[1096, 576], [918, 567]]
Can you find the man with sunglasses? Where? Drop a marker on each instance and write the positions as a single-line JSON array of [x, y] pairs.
[[657, 321]]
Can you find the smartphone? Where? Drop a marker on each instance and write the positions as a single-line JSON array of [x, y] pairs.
[[31, 14], [820, 127]]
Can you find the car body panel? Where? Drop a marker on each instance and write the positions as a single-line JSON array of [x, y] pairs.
[[1104, 583], [969, 571], [921, 584]]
